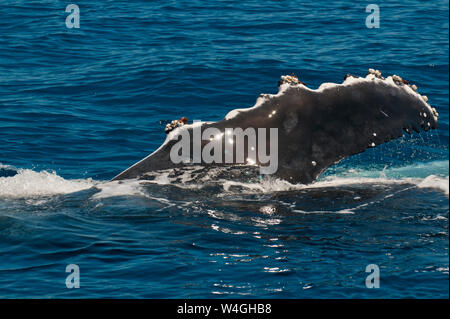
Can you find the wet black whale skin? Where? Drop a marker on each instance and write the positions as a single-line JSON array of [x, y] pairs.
[[323, 126]]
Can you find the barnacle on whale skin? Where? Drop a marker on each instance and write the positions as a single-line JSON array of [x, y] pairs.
[[291, 79], [435, 113], [377, 73]]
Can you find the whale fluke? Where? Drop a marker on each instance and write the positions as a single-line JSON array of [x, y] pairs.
[[316, 128]]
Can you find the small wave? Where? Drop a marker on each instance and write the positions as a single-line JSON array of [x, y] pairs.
[[28, 183], [435, 182], [267, 186], [339, 212]]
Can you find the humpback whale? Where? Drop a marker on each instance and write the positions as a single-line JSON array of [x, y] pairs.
[[316, 128]]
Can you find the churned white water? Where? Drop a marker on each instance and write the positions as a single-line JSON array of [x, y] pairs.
[[28, 183]]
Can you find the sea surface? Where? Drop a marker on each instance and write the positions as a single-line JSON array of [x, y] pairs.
[[78, 106]]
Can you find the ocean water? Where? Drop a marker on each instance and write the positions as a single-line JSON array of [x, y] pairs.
[[78, 106]]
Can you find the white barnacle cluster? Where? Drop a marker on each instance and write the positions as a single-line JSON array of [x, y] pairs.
[[290, 79], [377, 73], [398, 80], [174, 124], [435, 113]]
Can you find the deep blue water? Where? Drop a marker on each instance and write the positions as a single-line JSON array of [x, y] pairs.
[[78, 106]]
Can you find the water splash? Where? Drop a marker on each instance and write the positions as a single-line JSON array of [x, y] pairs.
[[28, 183], [435, 182]]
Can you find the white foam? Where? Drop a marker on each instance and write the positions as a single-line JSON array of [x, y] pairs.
[[31, 184], [435, 182], [119, 188], [162, 179], [266, 185], [132, 187], [269, 185], [28, 183]]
